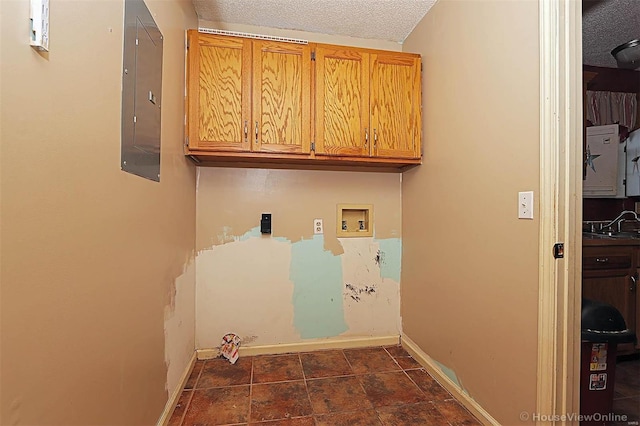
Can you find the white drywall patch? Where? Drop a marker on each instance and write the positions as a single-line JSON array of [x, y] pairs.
[[371, 303], [243, 287], [179, 326]]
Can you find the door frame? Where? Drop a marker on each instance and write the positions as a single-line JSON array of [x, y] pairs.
[[558, 375]]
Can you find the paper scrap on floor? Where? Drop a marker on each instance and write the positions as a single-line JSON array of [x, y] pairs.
[[230, 346]]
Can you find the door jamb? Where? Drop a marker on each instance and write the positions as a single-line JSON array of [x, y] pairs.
[[558, 377]]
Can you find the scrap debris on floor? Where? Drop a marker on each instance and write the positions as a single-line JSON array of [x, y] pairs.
[[367, 386]]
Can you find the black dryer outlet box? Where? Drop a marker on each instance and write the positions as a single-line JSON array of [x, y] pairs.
[[265, 223]]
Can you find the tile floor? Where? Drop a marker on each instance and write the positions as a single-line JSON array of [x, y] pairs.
[[626, 395], [368, 386]]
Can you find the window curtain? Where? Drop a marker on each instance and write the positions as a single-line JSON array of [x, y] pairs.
[[611, 108]]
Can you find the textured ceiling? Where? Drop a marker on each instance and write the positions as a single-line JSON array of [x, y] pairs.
[[607, 24], [390, 20]]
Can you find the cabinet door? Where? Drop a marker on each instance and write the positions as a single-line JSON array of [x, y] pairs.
[[616, 289], [609, 275], [633, 164], [342, 101], [281, 97], [395, 105], [219, 92], [602, 162]]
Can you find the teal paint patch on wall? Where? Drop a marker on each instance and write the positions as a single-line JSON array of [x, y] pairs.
[[317, 290], [255, 233], [391, 259], [252, 233], [449, 373]]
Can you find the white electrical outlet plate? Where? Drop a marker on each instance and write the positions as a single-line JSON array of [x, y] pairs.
[[525, 205], [317, 226]]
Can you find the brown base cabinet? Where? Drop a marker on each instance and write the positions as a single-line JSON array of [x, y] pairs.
[[260, 103], [609, 275]]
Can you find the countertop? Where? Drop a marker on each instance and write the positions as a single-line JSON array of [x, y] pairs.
[[599, 240]]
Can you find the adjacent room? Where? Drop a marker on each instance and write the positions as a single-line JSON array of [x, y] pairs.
[[611, 95]]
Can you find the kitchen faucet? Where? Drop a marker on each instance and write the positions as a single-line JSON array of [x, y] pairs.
[[619, 220]]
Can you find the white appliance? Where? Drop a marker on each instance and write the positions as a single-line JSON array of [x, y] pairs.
[[632, 164], [606, 163]]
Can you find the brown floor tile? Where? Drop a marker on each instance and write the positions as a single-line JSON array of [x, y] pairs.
[[408, 363], [220, 372], [396, 351], [384, 389], [298, 421], [218, 406], [337, 394], [359, 418], [456, 414], [627, 391], [629, 407], [432, 390], [181, 407], [274, 401], [627, 379], [424, 413], [370, 360], [623, 390], [325, 364], [277, 368], [193, 377]]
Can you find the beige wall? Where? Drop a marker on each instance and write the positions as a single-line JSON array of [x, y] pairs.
[[293, 286], [97, 287], [470, 267]]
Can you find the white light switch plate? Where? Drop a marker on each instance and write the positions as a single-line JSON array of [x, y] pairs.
[[317, 226], [525, 205]]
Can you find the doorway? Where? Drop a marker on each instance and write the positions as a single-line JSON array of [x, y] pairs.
[[611, 94]]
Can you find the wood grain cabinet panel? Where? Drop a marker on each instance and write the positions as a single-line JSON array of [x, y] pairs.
[[368, 103], [219, 73], [271, 104], [395, 105], [342, 101], [281, 105]]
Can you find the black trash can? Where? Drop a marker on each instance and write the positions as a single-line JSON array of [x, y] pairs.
[[603, 328]]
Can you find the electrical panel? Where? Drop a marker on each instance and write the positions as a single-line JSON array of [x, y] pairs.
[[141, 92]]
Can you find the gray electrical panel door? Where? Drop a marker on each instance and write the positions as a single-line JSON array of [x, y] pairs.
[[141, 92]]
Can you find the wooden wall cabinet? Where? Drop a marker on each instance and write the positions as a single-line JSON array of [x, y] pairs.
[[367, 103], [609, 275], [260, 103], [248, 95]]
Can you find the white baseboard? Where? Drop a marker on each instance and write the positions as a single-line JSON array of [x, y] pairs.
[[314, 345], [430, 365], [175, 396]]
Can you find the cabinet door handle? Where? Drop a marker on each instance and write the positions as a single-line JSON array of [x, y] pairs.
[[246, 131], [366, 138], [256, 132], [634, 282], [602, 259], [375, 138]]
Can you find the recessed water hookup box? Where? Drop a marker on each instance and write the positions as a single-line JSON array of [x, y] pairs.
[[354, 220]]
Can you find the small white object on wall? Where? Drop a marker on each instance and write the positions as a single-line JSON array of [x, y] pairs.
[[525, 205], [39, 20]]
